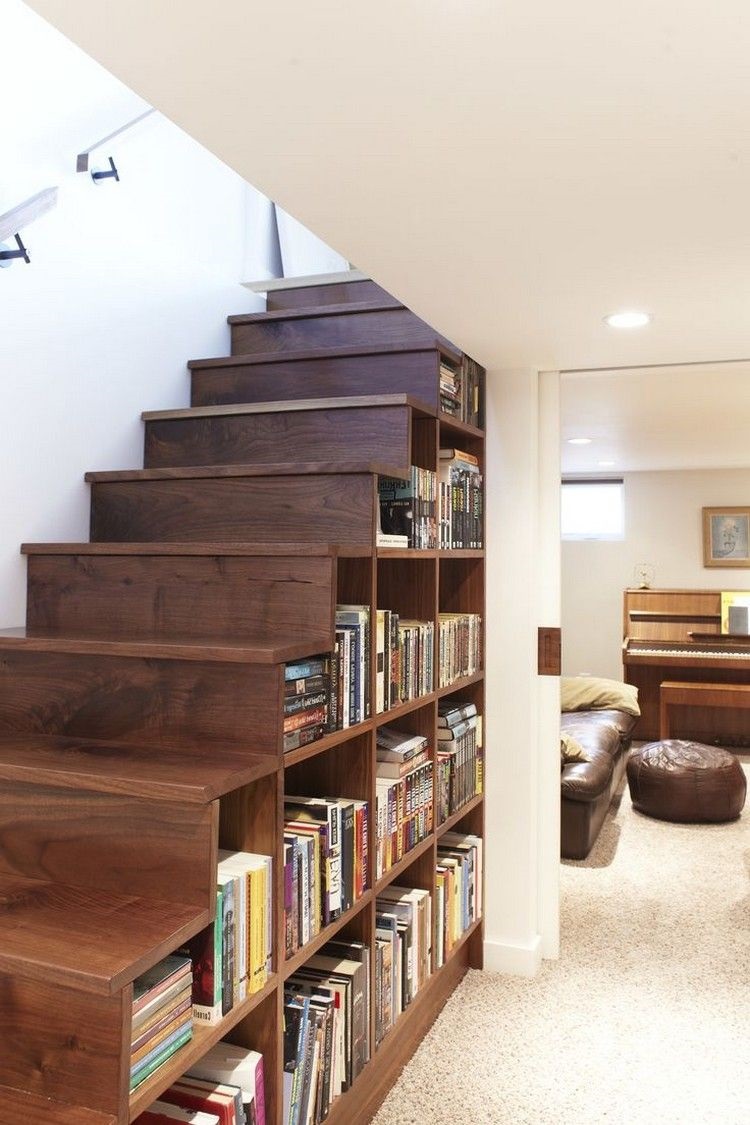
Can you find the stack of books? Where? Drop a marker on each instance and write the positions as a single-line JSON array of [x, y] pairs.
[[351, 679], [326, 863], [416, 641], [460, 758], [236, 1067], [231, 957], [460, 501], [460, 390], [403, 956], [403, 795], [162, 1016], [307, 701], [200, 1102], [458, 889], [326, 1030], [460, 646], [409, 508]]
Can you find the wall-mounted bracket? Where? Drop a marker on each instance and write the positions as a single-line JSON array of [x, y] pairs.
[[9, 255], [111, 174]]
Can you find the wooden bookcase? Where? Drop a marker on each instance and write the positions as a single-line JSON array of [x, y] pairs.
[[150, 679]]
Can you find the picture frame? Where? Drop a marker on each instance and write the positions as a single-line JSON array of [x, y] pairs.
[[726, 536]]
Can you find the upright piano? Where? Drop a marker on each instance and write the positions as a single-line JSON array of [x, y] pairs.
[[676, 635]]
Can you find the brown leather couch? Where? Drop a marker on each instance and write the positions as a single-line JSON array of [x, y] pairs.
[[588, 787]]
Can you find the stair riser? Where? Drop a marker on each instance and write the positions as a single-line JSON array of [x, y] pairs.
[[414, 373], [337, 294], [179, 703], [161, 850], [65, 1044], [363, 434], [329, 508], [382, 326], [192, 597]]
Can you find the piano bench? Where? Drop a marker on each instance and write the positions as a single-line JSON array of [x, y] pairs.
[[673, 694]]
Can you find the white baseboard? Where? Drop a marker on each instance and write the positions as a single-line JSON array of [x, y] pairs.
[[518, 960]]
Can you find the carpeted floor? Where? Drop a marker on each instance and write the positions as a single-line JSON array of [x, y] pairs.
[[645, 1018]]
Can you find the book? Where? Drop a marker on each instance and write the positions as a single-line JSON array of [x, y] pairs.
[[164, 1113], [158, 979], [190, 1097], [450, 714], [210, 1086], [385, 540], [236, 1066]]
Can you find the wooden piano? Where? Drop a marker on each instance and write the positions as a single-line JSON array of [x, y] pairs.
[[676, 635]]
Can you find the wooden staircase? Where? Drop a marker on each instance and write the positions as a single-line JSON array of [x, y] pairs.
[[141, 707]]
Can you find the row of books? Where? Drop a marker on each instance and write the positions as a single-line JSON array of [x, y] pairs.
[[409, 508], [460, 757], [459, 646], [162, 1017], [460, 501], [403, 952], [404, 659], [403, 796], [231, 958], [461, 390], [326, 1030], [224, 1087], [458, 890], [326, 863]]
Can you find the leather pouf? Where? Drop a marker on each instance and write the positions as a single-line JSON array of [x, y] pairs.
[[687, 782]]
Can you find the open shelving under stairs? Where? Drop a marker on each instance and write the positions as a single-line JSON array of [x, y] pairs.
[[146, 706]]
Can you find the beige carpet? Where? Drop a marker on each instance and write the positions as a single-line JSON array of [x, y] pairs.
[[644, 1019]]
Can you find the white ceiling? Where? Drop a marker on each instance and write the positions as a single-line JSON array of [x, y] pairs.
[[513, 170], [657, 418]]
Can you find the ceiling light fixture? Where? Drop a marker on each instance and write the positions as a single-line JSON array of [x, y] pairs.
[[579, 441], [629, 319]]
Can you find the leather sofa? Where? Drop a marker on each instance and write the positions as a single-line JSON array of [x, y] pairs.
[[588, 787]]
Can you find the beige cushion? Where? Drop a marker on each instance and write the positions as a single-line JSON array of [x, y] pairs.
[[571, 750], [589, 693]]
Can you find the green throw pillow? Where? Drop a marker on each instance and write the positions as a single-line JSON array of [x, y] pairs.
[[590, 693], [571, 750]]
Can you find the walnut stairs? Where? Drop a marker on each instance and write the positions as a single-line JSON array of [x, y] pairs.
[[141, 707]]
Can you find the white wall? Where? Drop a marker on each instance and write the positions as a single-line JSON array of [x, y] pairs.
[[127, 282], [663, 528]]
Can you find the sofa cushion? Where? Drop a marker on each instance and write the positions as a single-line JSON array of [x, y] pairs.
[[571, 749], [588, 693], [585, 781]]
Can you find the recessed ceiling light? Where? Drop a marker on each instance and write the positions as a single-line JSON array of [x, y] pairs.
[[579, 441], [629, 319], [605, 464]]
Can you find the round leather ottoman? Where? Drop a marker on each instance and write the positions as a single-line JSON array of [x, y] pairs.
[[686, 781]]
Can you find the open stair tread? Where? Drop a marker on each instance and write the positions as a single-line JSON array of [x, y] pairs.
[[262, 651], [249, 550], [195, 776], [294, 468], [324, 352], [350, 307], [289, 406], [89, 939], [20, 1105]]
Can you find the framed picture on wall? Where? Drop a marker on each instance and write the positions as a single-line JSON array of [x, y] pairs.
[[726, 537]]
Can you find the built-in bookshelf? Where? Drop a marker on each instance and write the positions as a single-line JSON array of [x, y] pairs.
[[232, 649]]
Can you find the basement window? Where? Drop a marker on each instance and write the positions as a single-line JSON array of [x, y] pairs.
[[592, 509]]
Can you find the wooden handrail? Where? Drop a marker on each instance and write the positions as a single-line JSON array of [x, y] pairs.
[[19, 217], [82, 160]]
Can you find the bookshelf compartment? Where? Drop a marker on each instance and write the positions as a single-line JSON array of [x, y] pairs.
[[260, 1030]]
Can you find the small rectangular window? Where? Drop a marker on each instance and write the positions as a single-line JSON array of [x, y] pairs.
[[592, 509]]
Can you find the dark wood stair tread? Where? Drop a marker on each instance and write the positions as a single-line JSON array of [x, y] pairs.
[[285, 469], [313, 311], [262, 651], [194, 776], [93, 940], [322, 352], [289, 406], [20, 1105], [250, 550]]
